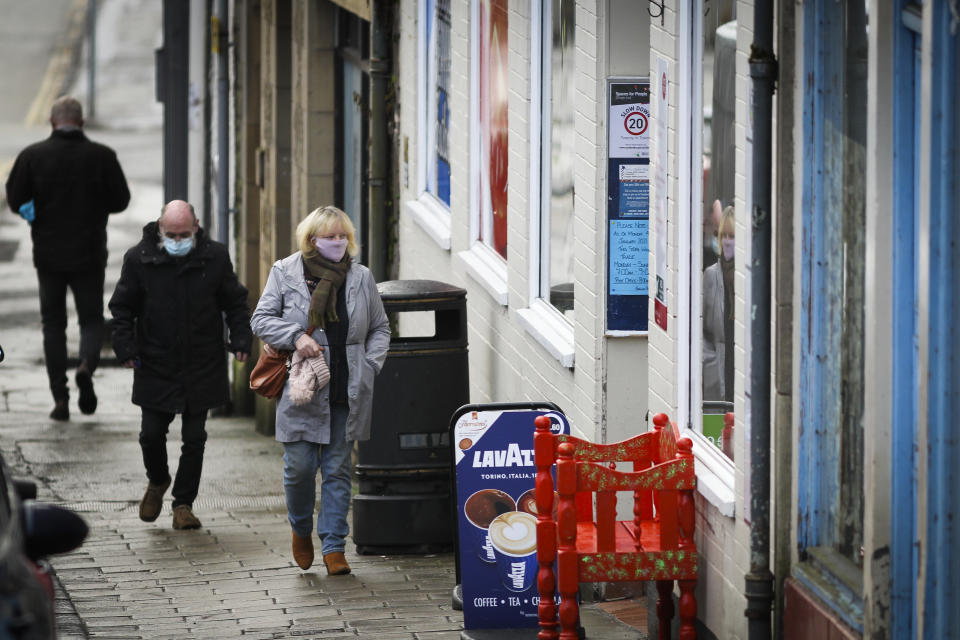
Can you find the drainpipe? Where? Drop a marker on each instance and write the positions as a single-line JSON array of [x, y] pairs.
[[223, 126], [763, 71], [92, 61], [379, 183]]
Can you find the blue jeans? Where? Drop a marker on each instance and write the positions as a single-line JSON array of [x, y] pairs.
[[301, 460]]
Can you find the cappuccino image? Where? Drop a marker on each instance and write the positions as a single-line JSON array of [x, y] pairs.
[[528, 502], [481, 509], [485, 505], [514, 533]]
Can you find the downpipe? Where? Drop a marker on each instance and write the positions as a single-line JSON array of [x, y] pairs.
[[763, 73], [223, 125]]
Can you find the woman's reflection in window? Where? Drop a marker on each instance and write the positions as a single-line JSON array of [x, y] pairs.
[[718, 305]]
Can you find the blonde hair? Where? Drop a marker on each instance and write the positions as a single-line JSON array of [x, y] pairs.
[[727, 217], [321, 221]]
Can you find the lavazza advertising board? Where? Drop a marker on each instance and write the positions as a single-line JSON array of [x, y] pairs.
[[497, 516]]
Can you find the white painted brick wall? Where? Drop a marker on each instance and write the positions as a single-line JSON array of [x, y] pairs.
[[506, 363]]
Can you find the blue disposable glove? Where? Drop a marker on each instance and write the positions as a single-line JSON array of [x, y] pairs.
[[26, 211]]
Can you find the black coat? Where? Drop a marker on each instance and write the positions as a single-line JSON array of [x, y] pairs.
[[74, 184], [167, 314]]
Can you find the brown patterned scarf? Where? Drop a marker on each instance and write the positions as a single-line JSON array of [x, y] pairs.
[[329, 277]]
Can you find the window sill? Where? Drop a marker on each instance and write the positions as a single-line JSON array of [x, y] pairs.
[[714, 474], [488, 269], [433, 217], [550, 329], [835, 580]]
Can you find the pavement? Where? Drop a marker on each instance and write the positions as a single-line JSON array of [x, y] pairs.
[[234, 577]]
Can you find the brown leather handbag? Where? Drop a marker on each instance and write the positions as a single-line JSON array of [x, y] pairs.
[[270, 373]]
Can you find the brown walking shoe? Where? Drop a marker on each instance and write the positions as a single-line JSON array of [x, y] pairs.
[[183, 518], [152, 501], [336, 564], [303, 551]]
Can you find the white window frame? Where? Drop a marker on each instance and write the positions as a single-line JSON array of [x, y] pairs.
[[428, 211], [715, 472], [550, 328], [482, 262]]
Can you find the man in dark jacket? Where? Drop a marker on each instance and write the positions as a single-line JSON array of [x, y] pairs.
[[175, 287], [71, 184]]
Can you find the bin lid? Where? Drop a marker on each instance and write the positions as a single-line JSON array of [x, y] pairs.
[[416, 289]]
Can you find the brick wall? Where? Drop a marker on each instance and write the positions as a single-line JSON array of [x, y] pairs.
[[506, 362]]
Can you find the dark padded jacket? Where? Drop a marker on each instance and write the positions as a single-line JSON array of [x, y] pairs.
[[74, 184], [167, 312]]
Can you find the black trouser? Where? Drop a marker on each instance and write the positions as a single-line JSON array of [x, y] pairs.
[[87, 287], [153, 443]]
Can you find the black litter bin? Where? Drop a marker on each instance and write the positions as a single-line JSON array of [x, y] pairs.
[[404, 504]]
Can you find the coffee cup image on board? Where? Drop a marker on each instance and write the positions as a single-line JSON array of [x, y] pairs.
[[481, 508], [513, 536], [527, 502]]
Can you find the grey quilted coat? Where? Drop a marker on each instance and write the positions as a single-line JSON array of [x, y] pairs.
[[281, 318]]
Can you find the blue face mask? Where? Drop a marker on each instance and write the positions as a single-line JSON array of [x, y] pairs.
[[178, 248]]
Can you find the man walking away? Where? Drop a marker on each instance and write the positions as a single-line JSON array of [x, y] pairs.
[[174, 290], [65, 187]]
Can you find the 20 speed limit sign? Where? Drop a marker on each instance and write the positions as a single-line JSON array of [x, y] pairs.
[[635, 123]]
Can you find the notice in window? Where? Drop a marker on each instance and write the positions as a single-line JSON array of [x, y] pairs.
[[629, 257], [634, 190]]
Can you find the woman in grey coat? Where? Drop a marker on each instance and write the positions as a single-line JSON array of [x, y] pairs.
[[718, 307], [322, 286]]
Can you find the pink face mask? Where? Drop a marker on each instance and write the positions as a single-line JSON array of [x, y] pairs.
[[331, 249], [728, 247]]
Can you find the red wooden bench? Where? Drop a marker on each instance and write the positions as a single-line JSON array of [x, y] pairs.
[[589, 545]]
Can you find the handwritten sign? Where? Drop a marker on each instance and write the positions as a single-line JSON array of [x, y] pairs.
[[629, 257]]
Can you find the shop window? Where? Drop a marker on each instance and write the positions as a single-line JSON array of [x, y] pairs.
[[830, 475], [557, 115], [485, 261], [436, 120], [714, 218], [431, 209], [549, 316], [492, 93]]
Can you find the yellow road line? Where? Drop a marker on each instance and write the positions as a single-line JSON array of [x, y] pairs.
[[61, 62]]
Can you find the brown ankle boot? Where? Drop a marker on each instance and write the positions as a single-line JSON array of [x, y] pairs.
[[152, 502], [303, 551], [336, 564], [183, 518]]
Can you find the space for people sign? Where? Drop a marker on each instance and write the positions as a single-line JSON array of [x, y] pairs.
[[497, 516]]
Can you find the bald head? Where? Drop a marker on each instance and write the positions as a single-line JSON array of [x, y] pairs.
[[66, 112], [178, 220]]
